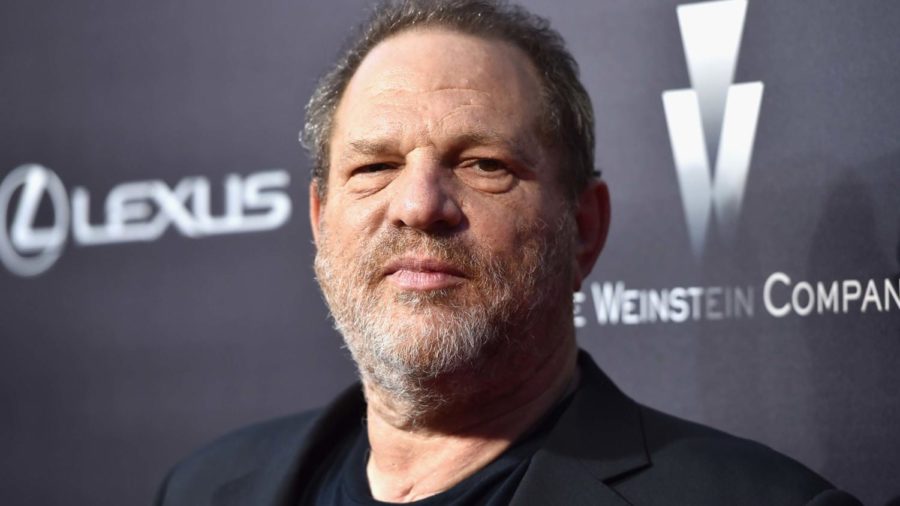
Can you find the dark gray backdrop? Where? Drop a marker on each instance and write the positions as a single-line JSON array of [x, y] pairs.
[[121, 358]]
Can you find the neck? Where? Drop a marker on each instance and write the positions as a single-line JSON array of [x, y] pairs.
[[413, 458]]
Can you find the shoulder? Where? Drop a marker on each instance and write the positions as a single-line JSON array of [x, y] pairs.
[[694, 461], [247, 446], [234, 455], [259, 457], [650, 457]]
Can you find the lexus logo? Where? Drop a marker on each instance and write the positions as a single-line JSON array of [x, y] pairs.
[[713, 120], [135, 211], [25, 249]]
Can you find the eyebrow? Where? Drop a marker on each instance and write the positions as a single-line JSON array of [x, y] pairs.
[[380, 146], [370, 146], [492, 138]]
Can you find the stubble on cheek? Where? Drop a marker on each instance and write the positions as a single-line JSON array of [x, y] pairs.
[[400, 339]]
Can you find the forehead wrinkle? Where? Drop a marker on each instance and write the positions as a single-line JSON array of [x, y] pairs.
[[387, 88], [461, 89]]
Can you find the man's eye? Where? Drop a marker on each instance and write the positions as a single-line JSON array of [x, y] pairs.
[[488, 165], [487, 174], [372, 168]]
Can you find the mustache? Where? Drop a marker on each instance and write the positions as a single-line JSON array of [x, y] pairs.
[[464, 256]]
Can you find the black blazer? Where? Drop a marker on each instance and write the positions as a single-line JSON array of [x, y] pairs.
[[604, 450]]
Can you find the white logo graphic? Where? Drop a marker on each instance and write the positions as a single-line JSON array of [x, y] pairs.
[[714, 117], [134, 211], [26, 249]]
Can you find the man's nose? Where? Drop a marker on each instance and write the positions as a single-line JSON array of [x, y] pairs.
[[424, 198]]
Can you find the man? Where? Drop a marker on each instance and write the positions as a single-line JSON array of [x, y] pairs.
[[455, 211]]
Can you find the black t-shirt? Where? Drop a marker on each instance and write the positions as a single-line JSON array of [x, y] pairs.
[[342, 481]]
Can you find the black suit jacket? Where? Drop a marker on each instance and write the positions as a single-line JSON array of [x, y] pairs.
[[604, 450]]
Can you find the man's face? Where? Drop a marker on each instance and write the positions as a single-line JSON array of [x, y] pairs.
[[444, 230]]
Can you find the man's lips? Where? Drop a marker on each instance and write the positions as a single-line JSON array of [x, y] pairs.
[[422, 273]]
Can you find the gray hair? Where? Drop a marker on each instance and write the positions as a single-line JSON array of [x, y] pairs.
[[568, 118]]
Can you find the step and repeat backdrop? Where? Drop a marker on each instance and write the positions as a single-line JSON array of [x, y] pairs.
[[156, 286]]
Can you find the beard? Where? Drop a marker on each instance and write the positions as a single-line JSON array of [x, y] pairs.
[[403, 342]]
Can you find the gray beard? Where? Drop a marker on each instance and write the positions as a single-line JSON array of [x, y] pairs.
[[442, 334]]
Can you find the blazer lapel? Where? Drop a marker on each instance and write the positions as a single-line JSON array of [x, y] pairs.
[[282, 480], [598, 439]]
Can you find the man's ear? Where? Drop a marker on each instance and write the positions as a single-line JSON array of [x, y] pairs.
[[592, 216], [315, 209]]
